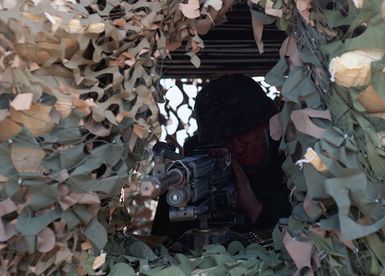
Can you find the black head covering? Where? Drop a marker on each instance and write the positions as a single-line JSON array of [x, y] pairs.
[[229, 106]]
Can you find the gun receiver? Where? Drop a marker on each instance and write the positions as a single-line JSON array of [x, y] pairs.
[[199, 187]]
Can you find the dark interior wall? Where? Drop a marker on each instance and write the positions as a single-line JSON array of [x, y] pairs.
[[229, 48]]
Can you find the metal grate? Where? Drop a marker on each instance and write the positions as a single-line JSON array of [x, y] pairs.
[[261, 237]]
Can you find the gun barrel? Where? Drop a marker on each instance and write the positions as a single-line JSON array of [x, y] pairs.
[[185, 214], [152, 187]]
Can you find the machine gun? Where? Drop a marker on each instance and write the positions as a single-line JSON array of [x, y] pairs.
[[199, 188]]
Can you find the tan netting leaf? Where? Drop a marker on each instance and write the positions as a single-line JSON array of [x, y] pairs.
[[26, 159], [353, 68], [22, 101], [45, 240], [36, 119]]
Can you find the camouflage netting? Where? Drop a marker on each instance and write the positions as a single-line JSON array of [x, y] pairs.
[[331, 128], [78, 89], [79, 85]]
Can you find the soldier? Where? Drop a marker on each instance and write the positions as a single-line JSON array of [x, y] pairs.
[[234, 111]]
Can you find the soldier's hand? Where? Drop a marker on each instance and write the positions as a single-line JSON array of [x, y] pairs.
[[247, 202]]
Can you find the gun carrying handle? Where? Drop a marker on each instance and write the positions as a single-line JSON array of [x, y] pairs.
[[166, 150]]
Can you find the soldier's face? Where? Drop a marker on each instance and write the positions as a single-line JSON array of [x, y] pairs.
[[249, 148]]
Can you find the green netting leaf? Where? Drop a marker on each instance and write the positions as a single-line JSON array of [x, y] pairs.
[[325, 244], [276, 76], [313, 179], [262, 17], [294, 173], [377, 247], [67, 132], [376, 157], [309, 57], [247, 264], [282, 23], [237, 271], [184, 263], [333, 49], [65, 159], [121, 269], [143, 265], [171, 270], [96, 233], [108, 154], [295, 227], [255, 270], [43, 198], [291, 86], [5, 160], [235, 247], [207, 262], [111, 185], [70, 218], [340, 189], [213, 271], [299, 213], [165, 254], [378, 76], [372, 38], [261, 252], [221, 259], [88, 266], [336, 18], [214, 249], [141, 250], [27, 224], [277, 236], [310, 94], [25, 139], [82, 213], [30, 241], [374, 266]]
